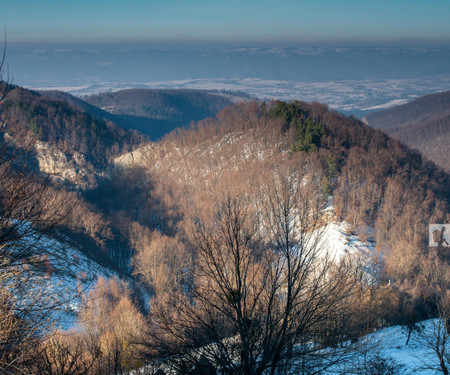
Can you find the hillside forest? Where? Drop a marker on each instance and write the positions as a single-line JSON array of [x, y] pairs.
[[423, 124], [218, 239]]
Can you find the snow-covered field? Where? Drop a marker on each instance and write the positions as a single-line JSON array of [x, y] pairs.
[[353, 79], [344, 95]]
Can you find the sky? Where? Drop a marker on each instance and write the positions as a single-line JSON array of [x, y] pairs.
[[421, 22]]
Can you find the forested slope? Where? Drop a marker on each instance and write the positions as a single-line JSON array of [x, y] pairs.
[[66, 126], [67, 150], [423, 124]]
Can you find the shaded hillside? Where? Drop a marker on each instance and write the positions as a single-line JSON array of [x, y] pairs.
[[157, 112], [52, 141], [423, 124], [80, 104]]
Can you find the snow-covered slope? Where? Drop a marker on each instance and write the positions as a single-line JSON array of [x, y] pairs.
[[57, 275], [339, 240], [418, 356], [382, 353]]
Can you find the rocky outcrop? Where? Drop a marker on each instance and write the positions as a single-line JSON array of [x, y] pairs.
[[73, 169]]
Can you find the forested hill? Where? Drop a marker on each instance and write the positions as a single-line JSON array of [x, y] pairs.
[[80, 104], [68, 127], [423, 124], [382, 188], [157, 112], [67, 150], [376, 181]]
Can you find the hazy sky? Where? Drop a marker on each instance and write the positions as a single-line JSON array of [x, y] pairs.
[[231, 21]]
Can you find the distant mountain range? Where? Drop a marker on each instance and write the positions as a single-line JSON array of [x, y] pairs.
[[423, 124], [115, 63], [354, 80]]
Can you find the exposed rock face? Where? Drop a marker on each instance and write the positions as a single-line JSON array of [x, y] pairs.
[[74, 169], [138, 157]]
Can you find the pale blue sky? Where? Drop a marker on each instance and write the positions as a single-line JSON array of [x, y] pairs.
[[232, 21]]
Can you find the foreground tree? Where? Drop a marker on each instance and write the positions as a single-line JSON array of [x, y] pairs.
[[435, 335], [265, 287], [28, 206]]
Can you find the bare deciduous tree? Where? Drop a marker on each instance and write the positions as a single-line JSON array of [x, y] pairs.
[[264, 285], [109, 321], [68, 353], [161, 261], [435, 336]]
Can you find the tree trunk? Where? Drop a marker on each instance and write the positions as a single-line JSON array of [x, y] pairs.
[[443, 366], [409, 335]]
